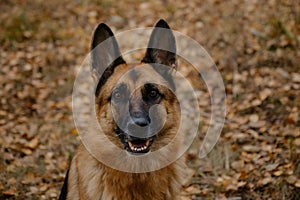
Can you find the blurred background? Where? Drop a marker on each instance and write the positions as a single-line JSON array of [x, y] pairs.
[[255, 45]]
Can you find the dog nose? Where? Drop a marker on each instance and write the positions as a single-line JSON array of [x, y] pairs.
[[140, 119]]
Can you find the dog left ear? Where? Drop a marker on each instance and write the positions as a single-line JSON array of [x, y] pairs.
[[105, 50], [105, 55], [162, 46]]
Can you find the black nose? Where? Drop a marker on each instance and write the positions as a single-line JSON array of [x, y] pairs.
[[140, 119]]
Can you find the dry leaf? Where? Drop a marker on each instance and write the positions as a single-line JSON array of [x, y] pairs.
[[297, 184], [254, 118], [271, 167], [184, 198], [238, 165], [265, 181], [26, 151], [43, 188], [193, 190], [291, 179], [251, 148], [296, 77], [11, 181], [33, 143], [264, 94], [29, 178], [10, 192], [278, 173]]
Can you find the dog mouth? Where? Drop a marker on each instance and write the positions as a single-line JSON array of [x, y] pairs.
[[139, 146], [135, 145]]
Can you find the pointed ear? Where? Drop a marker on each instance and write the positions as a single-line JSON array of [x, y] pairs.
[[105, 53], [162, 46]]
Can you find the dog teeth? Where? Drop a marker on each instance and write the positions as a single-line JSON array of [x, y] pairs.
[[138, 149]]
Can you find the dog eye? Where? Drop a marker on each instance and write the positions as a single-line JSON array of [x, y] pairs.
[[153, 93], [117, 95]]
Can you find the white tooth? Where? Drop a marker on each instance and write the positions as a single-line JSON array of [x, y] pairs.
[[130, 144]]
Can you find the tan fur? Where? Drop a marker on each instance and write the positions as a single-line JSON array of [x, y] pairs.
[[147, 74], [90, 179]]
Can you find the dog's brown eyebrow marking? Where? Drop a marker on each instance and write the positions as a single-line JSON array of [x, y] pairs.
[[122, 87]]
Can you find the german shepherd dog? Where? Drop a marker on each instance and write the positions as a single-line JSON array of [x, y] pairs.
[[87, 177]]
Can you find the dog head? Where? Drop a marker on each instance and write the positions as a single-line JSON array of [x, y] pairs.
[[135, 103]]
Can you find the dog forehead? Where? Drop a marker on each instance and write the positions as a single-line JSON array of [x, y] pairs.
[[134, 74]]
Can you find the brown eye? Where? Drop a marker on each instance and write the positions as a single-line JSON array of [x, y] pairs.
[[153, 93], [117, 95]]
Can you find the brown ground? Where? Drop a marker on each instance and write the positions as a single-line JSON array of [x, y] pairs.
[[255, 45]]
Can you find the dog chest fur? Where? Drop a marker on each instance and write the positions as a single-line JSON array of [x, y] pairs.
[[93, 180]]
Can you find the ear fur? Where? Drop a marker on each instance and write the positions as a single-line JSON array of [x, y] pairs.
[[162, 46], [105, 55]]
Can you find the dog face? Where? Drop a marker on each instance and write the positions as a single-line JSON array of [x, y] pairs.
[[135, 103]]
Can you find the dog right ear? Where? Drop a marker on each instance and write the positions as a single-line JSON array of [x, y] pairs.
[[162, 46], [105, 55]]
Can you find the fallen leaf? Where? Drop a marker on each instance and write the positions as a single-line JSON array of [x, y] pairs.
[[271, 167], [251, 148], [278, 173], [238, 165], [193, 189], [257, 124], [11, 181], [10, 192], [33, 143], [265, 181], [26, 151], [296, 77], [264, 94], [291, 179], [28, 178], [297, 141], [297, 184], [253, 118]]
